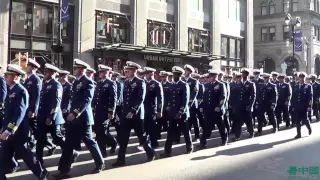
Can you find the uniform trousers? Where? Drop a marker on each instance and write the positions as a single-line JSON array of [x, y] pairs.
[[15, 145], [163, 123], [301, 119], [226, 122], [200, 117], [316, 109], [193, 121], [33, 130], [103, 136], [262, 118], [282, 112], [293, 120], [180, 124], [210, 119], [137, 125], [76, 131], [56, 134], [152, 129], [243, 116]]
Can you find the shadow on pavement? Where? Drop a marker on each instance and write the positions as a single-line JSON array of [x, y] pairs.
[[243, 150]]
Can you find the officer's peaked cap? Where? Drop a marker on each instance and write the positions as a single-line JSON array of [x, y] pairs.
[[196, 75], [132, 65], [256, 71], [312, 76], [177, 69], [205, 75], [14, 69], [281, 75], [102, 67], [51, 67], [163, 73], [295, 73], [221, 73], [213, 72], [319, 77], [64, 72], [251, 76], [237, 74], [80, 63], [302, 74], [266, 75], [40, 75], [170, 73], [90, 69], [273, 73], [33, 63], [71, 77], [115, 74], [141, 71], [149, 69], [189, 67], [245, 70]]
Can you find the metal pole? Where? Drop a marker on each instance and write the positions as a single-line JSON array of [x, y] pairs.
[[293, 44], [59, 33]]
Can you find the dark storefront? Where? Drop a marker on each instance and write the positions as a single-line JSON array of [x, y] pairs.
[[34, 28]]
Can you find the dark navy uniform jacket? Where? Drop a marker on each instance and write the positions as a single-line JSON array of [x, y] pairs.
[[276, 82], [15, 119], [166, 92], [82, 94], [179, 100], [226, 84], [316, 92], [119, 93], [268, 96], [3, 89], [153, 101], [259, 83], [33, 85], [302, 97], [104, 100], [215, 95], [50, 103], [284, 93], [247, 97], [200, 94], [134, 92], [66, 96], [194, 89], [235, 93]]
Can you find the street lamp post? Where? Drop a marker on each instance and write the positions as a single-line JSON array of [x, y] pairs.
[[292, 22]]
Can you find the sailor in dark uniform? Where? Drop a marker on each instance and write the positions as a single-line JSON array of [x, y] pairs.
[[283, 103], [50, 117], [258, 81], [274, 78], [214, 99], [170, 76], [71, 78], [225, 117], [302, 99], [67, 91], [166, 85], [178, 112], [316, 96], [134, 92], [15, 126], [90, 73], [79, 123], [3, 95], [293, 83], [199, 98], [141, 73], [116, 121]]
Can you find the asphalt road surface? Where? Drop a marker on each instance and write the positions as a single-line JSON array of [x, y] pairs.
[[269, 157]]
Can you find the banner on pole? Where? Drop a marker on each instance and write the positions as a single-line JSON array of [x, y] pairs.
[[65, 11], [298, 40]]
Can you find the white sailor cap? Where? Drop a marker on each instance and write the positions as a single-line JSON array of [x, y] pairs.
[[14, 69], [312, 76], [189, 67], [51, 67], [91, 70], [204, 75], [282, 76], [115, 74], [132, 65], [303, 74], [102, 67], [245, 70], [149, 69], [273, 73], [177, 69], [141, 71], [163, 73], [266, 75], [213, 72], [170, 73], [80, 64], [296, 73], [33, 63], [256, 71], [237, 74], [64, 72]]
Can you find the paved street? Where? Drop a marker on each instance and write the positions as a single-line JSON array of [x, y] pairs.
[[263, 158]]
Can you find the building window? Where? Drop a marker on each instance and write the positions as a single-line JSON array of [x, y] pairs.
[[199, 41], [264, 34], [242, 11], [272, 7], [286, 6], [21, 18], [294, 5], [111, 28], [224, 45], [264, 9], [286, 32], [160, 35], [272, 34], [196, 5], [42, 20], [233, 49]]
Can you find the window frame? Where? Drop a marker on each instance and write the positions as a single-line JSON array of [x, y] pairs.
[[283, 32], [294, 2], [171, 44], [263, 6], [239, 55], [273, 5], [269, 33], [266, 34], [286, 3], [200, 42]]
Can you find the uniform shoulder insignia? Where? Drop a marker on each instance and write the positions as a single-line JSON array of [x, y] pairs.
[[12, 95], [216, 87], [106, 85], [29, 83]]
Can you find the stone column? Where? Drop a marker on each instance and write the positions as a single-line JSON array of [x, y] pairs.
[[139, 14], [215, 38], [249, 34], [84, 25], [4, 32], [181, 24]]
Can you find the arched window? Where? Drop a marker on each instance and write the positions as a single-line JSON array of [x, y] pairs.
[[272, 7], [286, 6], [294, 5], [263, 8]]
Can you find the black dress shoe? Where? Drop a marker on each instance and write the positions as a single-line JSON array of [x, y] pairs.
[[202, 146], [44, 175], [275, 130], [113, 149], [224, 142], [119, 163], [189, 151], [97, 170], [310, 131], [258, 134], [104, 154], [13, 170], [298, 136], [165, 155], [75, 156], [61, 175], [52, 151], [251, 135], [236, 139], [151, 158]]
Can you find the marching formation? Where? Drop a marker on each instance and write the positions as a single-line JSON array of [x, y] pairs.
[[71, 112]]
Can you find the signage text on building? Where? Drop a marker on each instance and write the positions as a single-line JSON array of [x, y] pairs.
[[150, 57]]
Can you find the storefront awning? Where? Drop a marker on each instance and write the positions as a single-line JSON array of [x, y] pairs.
[[162, 51]]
